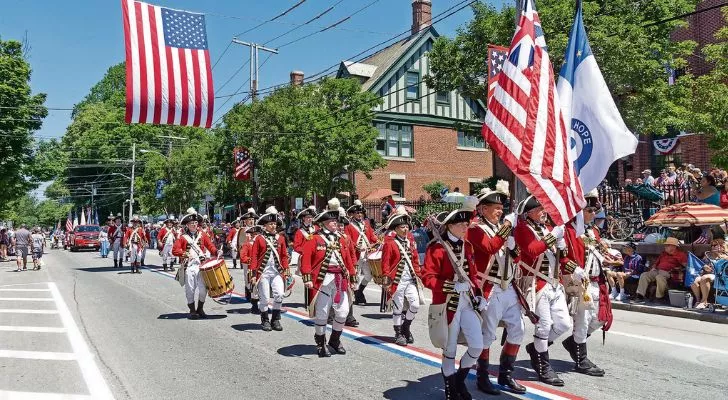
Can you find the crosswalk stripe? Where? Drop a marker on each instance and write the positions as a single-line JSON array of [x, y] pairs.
[[26, 311], [14, 395], [38, 355], [23, 290], [25, 299], [42, 329]]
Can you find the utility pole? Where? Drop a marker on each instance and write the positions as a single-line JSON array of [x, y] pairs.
[[254, 47], [131, 192]]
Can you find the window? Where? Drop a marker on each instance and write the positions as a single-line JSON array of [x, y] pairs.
[[443, 97], [412, 81], [395, 140], [473, 188], [471, 139], [397, 185]]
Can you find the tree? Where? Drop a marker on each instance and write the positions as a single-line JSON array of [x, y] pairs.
[[21, 114], [632, 55], [305, 139], [434, 189]]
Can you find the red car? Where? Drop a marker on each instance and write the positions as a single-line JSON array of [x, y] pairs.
[[84, 237]]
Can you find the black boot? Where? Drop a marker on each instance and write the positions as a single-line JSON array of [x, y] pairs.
[[505, 374], [461, 375], [451, 391], [484, 383], [200, 311], [583, 364], [359, 298], [570, 346], [171, 266], [142, 264], [235, 264], [116, 263], [121, 264], [254, 306], [193, 312], [247, 295], [264, 322], [542, 366], [276, 320], [350, 320], [335, 342], [407, 332], [321, 348], [164, 266], [399, 338]]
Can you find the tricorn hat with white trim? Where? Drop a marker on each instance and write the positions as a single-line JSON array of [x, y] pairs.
[[343, 219], [270, 215], [592, 199], [356, 207], [498, 196], [462, 214], [191, 215], [170, 218], [135, 219], [331, 211], [398, 217], [528, 204], [249, 214], [306, 212]]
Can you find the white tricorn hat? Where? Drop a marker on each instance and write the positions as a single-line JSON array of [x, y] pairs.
[[398, 217], [498, 196], [270, 215], [192, 215], [464, 213], [309, 211], [331, 211]]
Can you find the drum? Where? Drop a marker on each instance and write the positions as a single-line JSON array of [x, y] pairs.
[[217, 278], [375, 266]]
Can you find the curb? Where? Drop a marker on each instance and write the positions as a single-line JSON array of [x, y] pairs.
[[718, 318]]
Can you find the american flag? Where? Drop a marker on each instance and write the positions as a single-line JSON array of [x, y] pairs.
[[243, 164], [525, 125], [69, 223], [496, 56], [168, 74]]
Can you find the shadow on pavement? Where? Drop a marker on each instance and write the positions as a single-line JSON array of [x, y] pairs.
[[431, 387], [523, 371], [101, 269], [298, 350], [180, 315], [239, 311], [377, 316], [247, 327]]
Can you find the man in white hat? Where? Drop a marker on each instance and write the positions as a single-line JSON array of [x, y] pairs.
[[191, 248], [116, 237], [494, 251], [328, 274], [364, 238], [232, 241], [165, 240], [456, 295], [135, 240], [540, 248], [245, 245], [269, 268], [584, 278], [303, 234], [401, 270]]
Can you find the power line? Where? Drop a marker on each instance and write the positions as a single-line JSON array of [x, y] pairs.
[[319, 15], [272, 19]]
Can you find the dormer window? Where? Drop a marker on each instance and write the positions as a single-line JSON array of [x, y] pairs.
[[413, 85]]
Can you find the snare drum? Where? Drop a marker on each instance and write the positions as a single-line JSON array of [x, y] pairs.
[[375, 266], [217, 278]]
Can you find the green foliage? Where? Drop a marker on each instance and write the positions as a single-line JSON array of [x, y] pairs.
[[632, 57], [28, 210], [433, 208], [487, 183], [434, 189]]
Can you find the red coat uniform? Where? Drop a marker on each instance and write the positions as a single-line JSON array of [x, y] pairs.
[[301, 236], [112, 233], [162, 235], [231, 235], [485, 248], [246, 248], [313, 257], [355, 232], [531, 246], [143, 237], [392, 255], [259, 250], [576, 254], [181, 246]]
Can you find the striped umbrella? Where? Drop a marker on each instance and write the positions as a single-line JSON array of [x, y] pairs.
[[689, 214]]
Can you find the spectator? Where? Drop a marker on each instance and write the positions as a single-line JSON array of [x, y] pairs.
[[37, 241], [421, 239], [662, 179], [647, 178], [104, 241], [387, 207], [708, 193], [671, 258], [631, 268], [701, 285], [21, 242], [671, 174], [4, 242], [639, 181]]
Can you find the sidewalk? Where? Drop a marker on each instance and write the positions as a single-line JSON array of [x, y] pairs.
[[720, 316]]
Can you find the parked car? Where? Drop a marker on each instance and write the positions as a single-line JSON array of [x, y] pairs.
[[84, 237]]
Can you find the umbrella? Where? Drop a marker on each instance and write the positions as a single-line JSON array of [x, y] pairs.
[[646, 192], [378, 194], [454, 197], [688, 214]]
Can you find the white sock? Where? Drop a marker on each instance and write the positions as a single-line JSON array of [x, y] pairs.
[[621, 291]]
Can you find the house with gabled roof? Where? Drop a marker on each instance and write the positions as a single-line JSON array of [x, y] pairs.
[[424, 135]]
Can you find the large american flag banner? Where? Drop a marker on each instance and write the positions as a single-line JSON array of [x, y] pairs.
[[168, 73], [69, 223], [525, 126], [496, 57], [243, 164]]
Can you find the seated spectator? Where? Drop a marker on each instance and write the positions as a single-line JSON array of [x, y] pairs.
[[671, 258], [632, 267], [708, 193], [701, 285]]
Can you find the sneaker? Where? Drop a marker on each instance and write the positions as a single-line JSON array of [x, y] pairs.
[[701, 306], [614, 294], [623, 297]]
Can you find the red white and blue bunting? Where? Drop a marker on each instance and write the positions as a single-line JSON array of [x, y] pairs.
[[665, 146]]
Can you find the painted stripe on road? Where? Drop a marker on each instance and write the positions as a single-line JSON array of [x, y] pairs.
[[24, 290], [42, 329], [11, 395], [37, 355], [25, 299], [26, 311], [670, 342]]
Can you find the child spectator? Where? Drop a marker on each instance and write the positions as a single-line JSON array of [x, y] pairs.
[[632, 268], [37, 246], [701, 285]]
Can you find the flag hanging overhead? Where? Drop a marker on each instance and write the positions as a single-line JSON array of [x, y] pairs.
[[168, 73], [496, 57], [525, 126], [69, 222], [598, 134], [243, 164]]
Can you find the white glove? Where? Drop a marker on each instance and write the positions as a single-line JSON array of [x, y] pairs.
[[462, 287], [219, 253], [558, 231], [482, 303], [511, 243], [578, 274], [561, 244], [512, 218]]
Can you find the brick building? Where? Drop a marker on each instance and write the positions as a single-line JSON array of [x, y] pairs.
[[425, 135]]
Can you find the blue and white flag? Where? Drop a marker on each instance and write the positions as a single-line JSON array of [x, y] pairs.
[[598, 134]]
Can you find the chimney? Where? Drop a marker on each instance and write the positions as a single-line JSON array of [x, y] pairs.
[[421, 15], [296, 78]]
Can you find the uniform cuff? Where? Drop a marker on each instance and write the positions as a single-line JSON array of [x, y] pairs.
[[353, 278], [306, 278], [570, 267], [514, 253], [550, 240], [504, 231], [448, 287]]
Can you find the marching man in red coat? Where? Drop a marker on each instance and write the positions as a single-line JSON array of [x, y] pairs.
[[191, 248], [232, 241], [348, 246], [364, 238], [116, 238], [494, 253], [329, 275], [165, 241], [539, 249], [451, 274], [303, 234], [401, 268], [245, 250], [584, 264], [269, 268], [135, 240]]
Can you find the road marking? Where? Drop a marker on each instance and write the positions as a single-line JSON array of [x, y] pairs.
[[43, 329], [670, 342], [26, 299], [26, 311], [24, 290], [12, 395], [95, 381], [37, 355]]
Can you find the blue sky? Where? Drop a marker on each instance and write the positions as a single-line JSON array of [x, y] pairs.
[[73, 43]]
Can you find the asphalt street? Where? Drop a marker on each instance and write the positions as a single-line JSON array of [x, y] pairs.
[[80, 329]]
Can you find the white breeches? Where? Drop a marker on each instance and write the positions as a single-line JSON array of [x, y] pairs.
[[136, 253], [167, 256], [405, 290], [193, 281], [503, 306], [554, 318], [325, 301], [270, 282], [465, 321], [365, 273], [586, 319], [118, 250]]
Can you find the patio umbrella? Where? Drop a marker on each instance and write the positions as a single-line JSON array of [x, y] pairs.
[[454, 197], [688, 214], [378, 194]]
